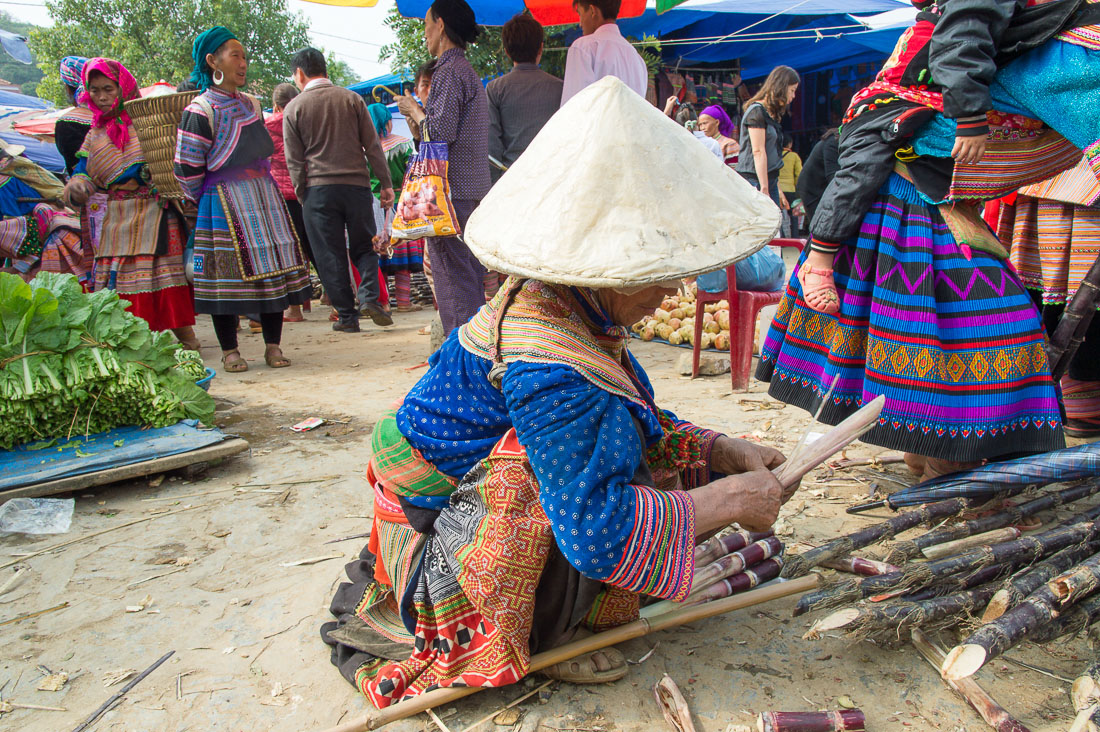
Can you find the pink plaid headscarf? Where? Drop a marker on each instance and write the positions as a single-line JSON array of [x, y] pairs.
[[115, 121]]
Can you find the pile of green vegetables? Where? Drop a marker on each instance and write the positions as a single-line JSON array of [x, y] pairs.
[[75, 364]]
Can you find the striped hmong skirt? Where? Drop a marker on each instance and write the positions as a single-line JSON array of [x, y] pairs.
[[1053, 245], [233, 253], [467, 601], [140, 255], [954, 343]]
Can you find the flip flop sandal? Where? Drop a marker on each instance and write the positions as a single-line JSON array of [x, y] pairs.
[[409, 308], [235, 366], [583, 669], [822, 297], [276, 362]]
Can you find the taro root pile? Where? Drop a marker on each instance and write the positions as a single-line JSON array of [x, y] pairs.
[[674, 322]]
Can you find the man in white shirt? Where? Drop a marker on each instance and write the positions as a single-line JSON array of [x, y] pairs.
[[601, 51]]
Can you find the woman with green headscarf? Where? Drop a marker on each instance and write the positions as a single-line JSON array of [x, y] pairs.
[[248, 258], [405, 257]]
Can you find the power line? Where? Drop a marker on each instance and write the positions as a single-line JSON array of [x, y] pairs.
[[330, 35]]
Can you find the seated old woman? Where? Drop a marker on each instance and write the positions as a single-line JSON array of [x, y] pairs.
[[529, 487]]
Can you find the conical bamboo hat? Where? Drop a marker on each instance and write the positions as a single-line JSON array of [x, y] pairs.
[[612, 193]]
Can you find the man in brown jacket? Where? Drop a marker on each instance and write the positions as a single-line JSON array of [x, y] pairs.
[[327, 131]]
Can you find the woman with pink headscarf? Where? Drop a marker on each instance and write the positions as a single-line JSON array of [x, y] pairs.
[[717, 125], [141, 245]]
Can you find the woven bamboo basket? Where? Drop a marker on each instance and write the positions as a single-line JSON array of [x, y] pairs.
[[156, 120]]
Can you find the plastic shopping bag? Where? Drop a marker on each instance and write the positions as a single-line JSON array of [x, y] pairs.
[[425, 208]]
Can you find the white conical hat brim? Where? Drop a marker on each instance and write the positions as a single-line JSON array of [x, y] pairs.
[[612, 193]]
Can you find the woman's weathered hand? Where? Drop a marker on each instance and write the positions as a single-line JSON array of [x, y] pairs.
[[755, 499], [733, 457]]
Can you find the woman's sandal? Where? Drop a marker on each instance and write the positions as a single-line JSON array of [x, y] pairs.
[[234, 365], [586, 669], [409, 308], [276, 362], [822, 297]]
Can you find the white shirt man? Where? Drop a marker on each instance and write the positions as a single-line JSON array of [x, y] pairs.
[[601, 51]]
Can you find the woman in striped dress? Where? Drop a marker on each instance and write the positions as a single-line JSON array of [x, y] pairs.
[[248, 258], [1053, 232], [140, 243]]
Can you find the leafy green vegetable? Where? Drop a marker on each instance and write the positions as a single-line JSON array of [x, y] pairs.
[[73, 363]]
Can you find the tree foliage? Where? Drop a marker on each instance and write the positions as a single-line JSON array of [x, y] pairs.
[[26, 76], [153, 37]]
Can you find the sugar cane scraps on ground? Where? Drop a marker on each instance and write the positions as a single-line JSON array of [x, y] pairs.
[[73, 363]]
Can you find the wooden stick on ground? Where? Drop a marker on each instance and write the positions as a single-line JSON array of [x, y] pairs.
[[121, 693], [640, 627], [992, 712]]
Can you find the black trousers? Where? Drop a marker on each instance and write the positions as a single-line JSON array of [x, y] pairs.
[[330, 213], [225, 327], [294, 208]]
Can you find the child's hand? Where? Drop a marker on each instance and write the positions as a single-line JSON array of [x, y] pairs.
[[968, 149]]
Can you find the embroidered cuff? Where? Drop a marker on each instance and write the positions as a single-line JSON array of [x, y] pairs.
[[972, 126], [695, 477], [660, 551]]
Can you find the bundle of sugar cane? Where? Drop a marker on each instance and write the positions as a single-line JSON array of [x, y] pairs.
[[917, 576], [1085, 695], [728, 575], [1038, 609], [952, 584], [719, 546], [905, 550], [885, 620], [844, 720]]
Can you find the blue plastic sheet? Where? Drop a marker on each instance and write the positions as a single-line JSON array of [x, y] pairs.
[[52, 460]]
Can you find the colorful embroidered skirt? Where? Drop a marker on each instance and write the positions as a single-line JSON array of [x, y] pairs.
[[955, 344], [464, 603], [230, 251], [153, 280]]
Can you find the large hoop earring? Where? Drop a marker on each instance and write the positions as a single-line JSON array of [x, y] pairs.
[[218, 77]]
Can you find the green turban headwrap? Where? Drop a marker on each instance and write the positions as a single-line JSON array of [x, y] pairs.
[[207, 42]]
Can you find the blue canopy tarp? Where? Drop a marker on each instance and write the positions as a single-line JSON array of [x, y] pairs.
[[22, 101], [44, 461], [41, 153]]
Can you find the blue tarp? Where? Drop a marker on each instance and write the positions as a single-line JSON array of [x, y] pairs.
[[22, 101], [24, 466], [393, 81], [39, 152]]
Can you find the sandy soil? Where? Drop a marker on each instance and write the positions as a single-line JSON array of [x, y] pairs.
[[244, 627]]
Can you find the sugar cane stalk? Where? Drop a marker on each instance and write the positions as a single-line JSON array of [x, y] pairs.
[[993, 713], [897, 617], [800, 564], [1038, 609], [916, 576], [958, 583], [1029, 579], [844, 720], [1070, 621], [905, 550], [947, 549]]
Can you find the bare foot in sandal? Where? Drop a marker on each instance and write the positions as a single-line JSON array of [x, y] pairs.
[[818, 288], [597, 667], [233, 362], [274, 357]]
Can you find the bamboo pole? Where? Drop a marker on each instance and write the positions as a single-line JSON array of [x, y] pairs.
[[638, 628], [977, 697]]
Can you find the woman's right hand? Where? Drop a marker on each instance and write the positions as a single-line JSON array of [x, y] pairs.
[[670, 105]]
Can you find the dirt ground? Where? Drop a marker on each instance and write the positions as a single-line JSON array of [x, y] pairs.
[[214, 585]]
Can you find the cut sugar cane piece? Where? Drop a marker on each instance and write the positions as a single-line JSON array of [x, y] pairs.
[[717, 547], [844, 720], [742, 581], [1085, 694], [1029, 579], [860, 566], [733, 563]]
